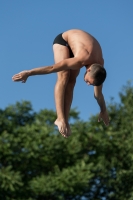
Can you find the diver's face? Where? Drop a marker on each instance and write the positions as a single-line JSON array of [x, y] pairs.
[[88, 79]]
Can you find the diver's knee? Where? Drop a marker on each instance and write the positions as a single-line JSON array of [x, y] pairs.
[[63, 76]]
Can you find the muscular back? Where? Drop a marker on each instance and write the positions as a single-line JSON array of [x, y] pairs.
[[85, 45]]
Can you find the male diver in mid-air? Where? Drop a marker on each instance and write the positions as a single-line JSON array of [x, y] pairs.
[[73, 50]]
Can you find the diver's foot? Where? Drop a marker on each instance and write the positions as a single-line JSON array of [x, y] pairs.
[[62, 127]]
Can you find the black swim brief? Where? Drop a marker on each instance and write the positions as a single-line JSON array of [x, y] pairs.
[[59, 40]]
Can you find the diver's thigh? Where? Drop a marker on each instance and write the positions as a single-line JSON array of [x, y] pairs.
[[60, 52], [74, 74]]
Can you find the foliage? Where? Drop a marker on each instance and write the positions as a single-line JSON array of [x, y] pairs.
[[37, 163]]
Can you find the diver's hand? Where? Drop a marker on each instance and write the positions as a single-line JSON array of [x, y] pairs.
[[22, 76], [105, 117]]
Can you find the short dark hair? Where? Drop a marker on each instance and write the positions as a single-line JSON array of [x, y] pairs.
[[98, 73]]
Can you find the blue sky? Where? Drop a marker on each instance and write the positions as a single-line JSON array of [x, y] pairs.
[[27, 31]]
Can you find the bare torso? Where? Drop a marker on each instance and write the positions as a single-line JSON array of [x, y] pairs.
[[84, 45]]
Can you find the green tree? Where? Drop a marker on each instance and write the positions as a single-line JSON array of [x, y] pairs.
[[37, 163]]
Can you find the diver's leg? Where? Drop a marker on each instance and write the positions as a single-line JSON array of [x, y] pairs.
[[60, 53], [69, 93]]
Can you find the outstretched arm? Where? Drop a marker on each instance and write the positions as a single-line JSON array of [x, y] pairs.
[[100, 100], [71, 63]]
